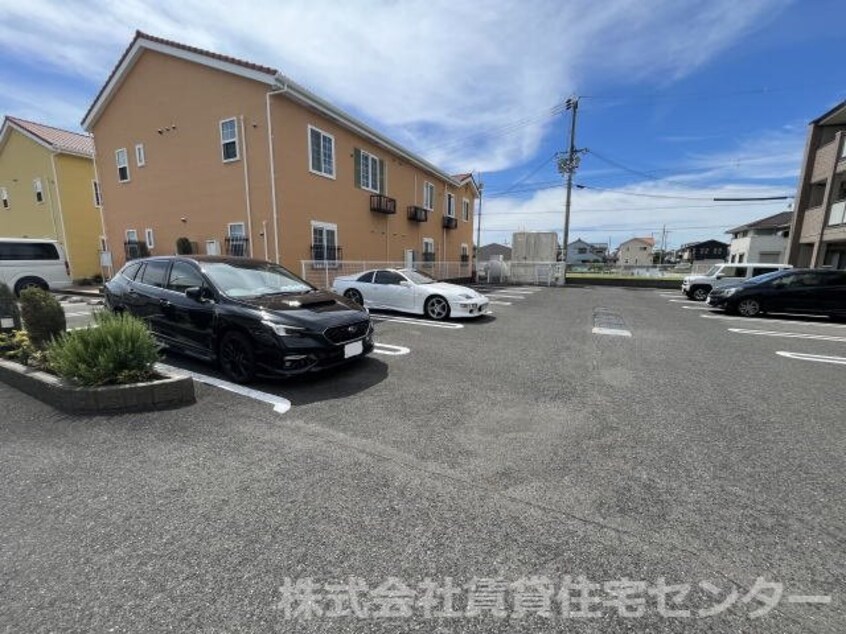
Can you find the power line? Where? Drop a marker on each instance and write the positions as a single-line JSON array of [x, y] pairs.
[[626, 209], [630, 193], [537, 168]]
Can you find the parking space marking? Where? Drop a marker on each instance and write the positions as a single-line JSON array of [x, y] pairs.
[[614, 332], [83, 314], [697, 308], [503, 296], [684, 301], [819, 358], [418, 322], [787, 335], [775, 320], [388, 349], [493, 301], [280, 405]]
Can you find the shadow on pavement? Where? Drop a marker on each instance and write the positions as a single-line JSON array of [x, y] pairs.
[[339, 382]]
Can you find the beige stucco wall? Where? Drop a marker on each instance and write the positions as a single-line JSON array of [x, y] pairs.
[[184, 176], [81, 219]]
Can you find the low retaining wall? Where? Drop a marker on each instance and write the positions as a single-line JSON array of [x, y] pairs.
[[167, 393], [633, 282]]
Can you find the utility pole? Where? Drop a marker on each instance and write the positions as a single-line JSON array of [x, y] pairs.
[[479, 227], [663, 244], [568, 165]]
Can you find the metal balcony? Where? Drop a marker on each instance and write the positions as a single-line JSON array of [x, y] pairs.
[[383, 204], [238, 246], [418, 214], [450, 222]]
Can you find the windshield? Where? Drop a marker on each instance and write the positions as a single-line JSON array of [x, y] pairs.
[[712, 271], [417, 277], [253, 279]]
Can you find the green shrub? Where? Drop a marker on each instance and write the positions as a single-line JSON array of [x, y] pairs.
[[119, 349], [42, 315], [9, 306], [16, 346], [183, 246]]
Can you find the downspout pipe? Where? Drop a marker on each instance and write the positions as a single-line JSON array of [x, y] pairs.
[[275, 208]]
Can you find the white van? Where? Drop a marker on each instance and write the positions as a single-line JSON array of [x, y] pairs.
[[25, 262], [698, 286]]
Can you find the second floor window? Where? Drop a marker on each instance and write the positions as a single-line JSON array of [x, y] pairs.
[[122, 162], [465, 210], [450, 205], [428, 196], [321, 147], [4, 197], [140, 157], [370, 170], [95, 186], [229, 140], [39, 190]]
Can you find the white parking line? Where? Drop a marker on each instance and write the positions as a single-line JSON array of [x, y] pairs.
[[388, 349], [418, 322], [493, 301], [697, 308], [614, 332], [787, 335], [280, 405], [504, 296], [684, 301], [85, 314], [774, 320], [819, 358]]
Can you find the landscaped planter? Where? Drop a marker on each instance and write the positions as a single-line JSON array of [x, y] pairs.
[[168, 392]]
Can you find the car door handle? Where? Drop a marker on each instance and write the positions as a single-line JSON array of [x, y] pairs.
[[164, 303], [132, 292]]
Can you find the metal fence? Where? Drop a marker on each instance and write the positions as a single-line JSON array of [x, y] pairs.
[[322, 274]]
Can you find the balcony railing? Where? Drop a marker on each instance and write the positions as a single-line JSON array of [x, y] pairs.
[[383, 204], [324, 256], [465, 258], [238, 246], [418, 214], [133, 249], [428, 256], [450, 222]]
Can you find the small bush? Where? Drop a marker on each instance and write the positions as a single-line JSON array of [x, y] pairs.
[[9, 306], [42, 315], [120, 349], [17, 347]]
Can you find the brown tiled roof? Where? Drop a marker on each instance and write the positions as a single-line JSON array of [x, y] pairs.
[[58, 139], [461, 177], [782, 219], [650, 240], [191, 49]]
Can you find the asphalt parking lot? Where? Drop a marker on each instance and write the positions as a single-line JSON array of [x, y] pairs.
[[624, 435]]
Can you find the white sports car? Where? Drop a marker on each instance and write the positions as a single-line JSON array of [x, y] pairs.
[[410, 291]]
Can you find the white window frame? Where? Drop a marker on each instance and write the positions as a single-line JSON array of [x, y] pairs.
[[125, 164], [429, 242], [140, 156], [98, 197], [215, 247], [317, 224], [449, 201], [133, 233], [465, 249], [371, 161], [242, 234], [4, 198], [428, 196], [224, 141], [465, 209], [150, 238], [38, 189], [323, 135]]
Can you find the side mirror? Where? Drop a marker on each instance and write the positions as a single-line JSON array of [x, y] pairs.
[[196, 293], [720, 276], [405, 283]]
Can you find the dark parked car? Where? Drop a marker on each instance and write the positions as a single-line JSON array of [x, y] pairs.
[[809, 291], [253, 317]]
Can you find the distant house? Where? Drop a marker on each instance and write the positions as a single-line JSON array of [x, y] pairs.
[[704, 251], [494, 251], [48, 190], [582, 252], [763, 240], [636, 252]]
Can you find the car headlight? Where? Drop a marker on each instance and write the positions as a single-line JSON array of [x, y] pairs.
[[283, 330], [467, 296], [730, 291]]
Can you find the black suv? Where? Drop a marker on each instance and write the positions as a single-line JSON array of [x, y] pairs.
[[253, 317], [808, 291]]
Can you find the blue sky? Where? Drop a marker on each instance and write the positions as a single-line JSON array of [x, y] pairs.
[[681, 100]]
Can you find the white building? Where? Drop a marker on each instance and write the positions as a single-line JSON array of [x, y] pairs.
[[763, 240], [635, 252]]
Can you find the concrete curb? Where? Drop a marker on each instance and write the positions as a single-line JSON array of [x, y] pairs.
[[167, 393]]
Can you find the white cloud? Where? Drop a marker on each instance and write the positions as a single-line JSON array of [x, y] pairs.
[[425, 71]]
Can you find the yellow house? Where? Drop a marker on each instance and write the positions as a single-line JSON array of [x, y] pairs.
[[48, 189]]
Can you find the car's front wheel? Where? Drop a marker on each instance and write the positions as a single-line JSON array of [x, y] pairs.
[[699, 293], [354, 295], [437, 308], [237, 357], [749, 307]]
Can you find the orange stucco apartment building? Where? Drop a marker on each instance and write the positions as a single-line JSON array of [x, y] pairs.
[[239, 159]]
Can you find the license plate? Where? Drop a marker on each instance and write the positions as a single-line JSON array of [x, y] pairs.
[[7, 323], [353, 349]]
